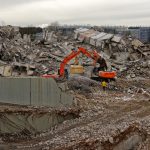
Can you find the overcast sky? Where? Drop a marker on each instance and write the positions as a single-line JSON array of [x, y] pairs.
[[95, 12]]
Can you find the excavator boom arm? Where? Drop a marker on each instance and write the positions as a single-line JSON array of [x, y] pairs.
[[73, 55]]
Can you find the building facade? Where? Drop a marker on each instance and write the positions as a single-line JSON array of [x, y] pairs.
[[141, 33]]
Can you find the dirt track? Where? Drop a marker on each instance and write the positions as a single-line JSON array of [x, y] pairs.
[[108, 120]]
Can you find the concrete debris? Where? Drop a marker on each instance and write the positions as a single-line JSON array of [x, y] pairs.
[[84, 85], [19, 54], [136, 43], [119, 50], [93, 39], [135, 69], [145, 93], [115, 119], [116, 39], [105, 122]]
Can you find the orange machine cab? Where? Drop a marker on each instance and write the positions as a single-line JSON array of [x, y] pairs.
[[106, 74]]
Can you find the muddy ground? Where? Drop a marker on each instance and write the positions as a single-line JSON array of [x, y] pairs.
[[115, 119]]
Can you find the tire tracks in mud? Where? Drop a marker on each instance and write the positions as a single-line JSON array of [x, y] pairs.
[[125, 109]]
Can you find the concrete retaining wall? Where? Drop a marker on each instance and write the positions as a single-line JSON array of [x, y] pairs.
[[33, 123], [33, 91]]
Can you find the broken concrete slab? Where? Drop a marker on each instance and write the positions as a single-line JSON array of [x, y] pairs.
[[7, 71], [96, 37], [33, 91], [116, 39], [136, 43], [80, 30]]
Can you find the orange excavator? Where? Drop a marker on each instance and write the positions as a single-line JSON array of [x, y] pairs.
[[63, 73]]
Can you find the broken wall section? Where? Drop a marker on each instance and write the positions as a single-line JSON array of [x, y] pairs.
[[33, 91]]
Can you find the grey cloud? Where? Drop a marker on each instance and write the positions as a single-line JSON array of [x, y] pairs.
[[86, 12], [5, 3], [10, 3]]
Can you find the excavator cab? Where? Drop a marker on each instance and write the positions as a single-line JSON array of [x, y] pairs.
[[107, 76]]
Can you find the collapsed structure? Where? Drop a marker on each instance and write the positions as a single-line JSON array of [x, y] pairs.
[[23, 57], [115, 119], [126, 54]]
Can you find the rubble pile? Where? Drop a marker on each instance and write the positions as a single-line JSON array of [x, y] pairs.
[[107, 121], [117, 118], [135, 69], [21, 57], [113, 44], [82, 84], [126, 54]]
